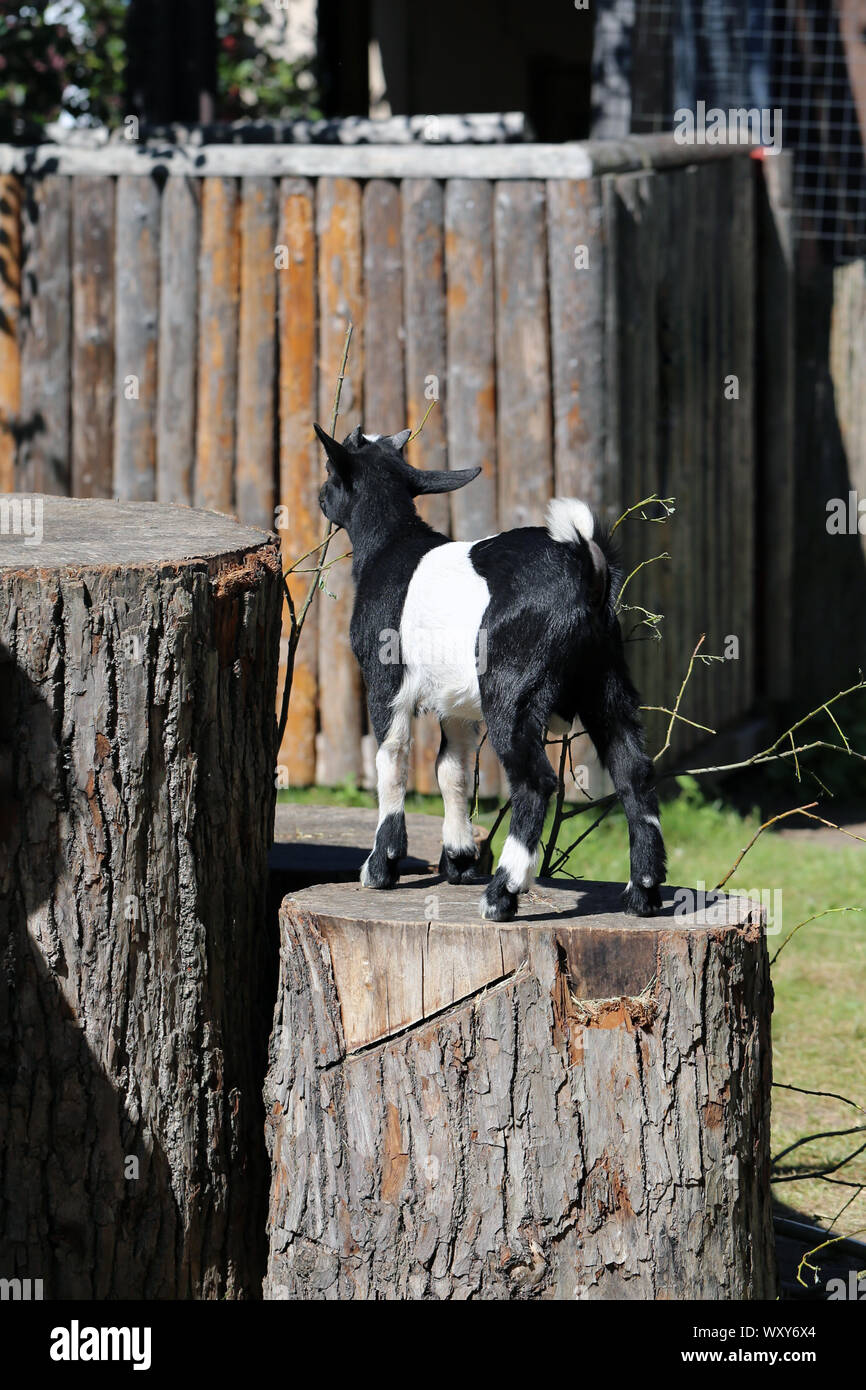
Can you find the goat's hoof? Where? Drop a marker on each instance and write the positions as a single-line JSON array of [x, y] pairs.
[[380, 872], [498, 904], [459, 866], [642, 901]]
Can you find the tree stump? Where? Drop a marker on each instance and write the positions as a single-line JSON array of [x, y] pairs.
[[571, 1106], [138, 656]]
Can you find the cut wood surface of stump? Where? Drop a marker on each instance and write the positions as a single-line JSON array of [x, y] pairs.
[[138, 655], [574, 1105]]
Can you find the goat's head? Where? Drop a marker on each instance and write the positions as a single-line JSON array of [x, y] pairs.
[[370, 468]]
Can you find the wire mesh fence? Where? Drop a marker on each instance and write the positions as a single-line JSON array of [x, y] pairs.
[[803, 62]]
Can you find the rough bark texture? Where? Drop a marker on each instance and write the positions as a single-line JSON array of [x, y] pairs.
[[137, 744], [575, 1105]]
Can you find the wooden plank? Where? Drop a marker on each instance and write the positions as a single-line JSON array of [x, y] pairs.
[[178, 322], [217, 346], [775, 356], [637, 376], [136, 260], [471, 355], [671, 579], [46, 320], [710, 233], [572, 160], [524, 443], [338, 227], [728, 576], [10, 314], [255, 468], [744, 498], [679, 361], [577, 251], [92, 337], [384, 382], [426, 368], [384, 378], [301, 469]]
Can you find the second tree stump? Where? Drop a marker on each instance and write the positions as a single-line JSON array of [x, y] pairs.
[[571, 1106]]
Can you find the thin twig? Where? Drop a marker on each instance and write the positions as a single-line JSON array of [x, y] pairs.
[[761, 828], [676, 709], [415, 433], [814, 918], [829, 1095]]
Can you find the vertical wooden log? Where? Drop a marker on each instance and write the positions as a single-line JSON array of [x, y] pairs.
[[524, 444], [92, 336], [471, 355], [728, 580], [338, 221], [46, 318], [637, 385], [676, 437], [301, 469], [710, 398], [384, 375], [217, 345], [178, 324], [136, 278], [10, 314], [384, 372], [426, 369], [255, 469], [577, 250], [776, 377]]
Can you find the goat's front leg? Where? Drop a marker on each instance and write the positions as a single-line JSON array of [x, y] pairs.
[[381, 868], [532, 782], [612, 721], [459, 851]]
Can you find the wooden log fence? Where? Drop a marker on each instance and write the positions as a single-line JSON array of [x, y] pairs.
[[172, 322]]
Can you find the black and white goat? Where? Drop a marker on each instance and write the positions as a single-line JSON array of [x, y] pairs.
[[518, 630]]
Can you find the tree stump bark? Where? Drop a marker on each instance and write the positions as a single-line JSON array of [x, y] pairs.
[[138, 655], [571, 1106]]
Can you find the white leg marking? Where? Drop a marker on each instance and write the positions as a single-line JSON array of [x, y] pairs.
[[451, 774], [519, 865]]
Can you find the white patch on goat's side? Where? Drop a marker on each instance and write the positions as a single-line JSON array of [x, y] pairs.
[[439, 634], [519, 865], [647, 881], [565, 516], [653, 820]]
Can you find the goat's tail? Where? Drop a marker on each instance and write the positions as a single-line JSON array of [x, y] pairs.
[[571, 523]]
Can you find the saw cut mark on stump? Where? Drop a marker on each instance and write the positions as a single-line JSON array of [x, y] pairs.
[[460, 1110], [138, 654]]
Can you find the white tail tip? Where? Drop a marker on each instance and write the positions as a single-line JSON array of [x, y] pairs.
[[565, 516]]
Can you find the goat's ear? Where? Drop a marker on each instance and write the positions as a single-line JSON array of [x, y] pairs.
[[339, 458], [400, 440], [445, 480]]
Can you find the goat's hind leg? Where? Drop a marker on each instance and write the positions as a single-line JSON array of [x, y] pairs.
[[532, 782], [611, 718], [382, 867], [459, 861]]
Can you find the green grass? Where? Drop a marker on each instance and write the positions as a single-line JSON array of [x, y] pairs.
[[819, 980]]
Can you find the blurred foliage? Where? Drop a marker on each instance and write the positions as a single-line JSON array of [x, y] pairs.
[[250, 83], [66, 56], [66, 59]]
